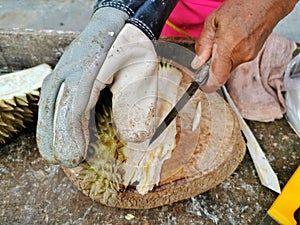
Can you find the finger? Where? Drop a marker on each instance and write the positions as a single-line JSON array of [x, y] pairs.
[[135, 84], [70, 125], [73, 121], [220, 69], [47, 100], [62, 130], [204, 45], [211, 85], [49, 92], [77, 97]]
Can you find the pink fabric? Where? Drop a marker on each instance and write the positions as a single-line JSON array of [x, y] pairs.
[[189, 16]]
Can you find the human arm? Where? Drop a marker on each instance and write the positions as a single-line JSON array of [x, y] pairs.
[[234, 33]]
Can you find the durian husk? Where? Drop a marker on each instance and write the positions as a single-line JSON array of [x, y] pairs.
[[19, 94], [102, 176], [190, 171]]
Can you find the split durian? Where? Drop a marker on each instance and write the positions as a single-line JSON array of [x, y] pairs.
[[19, 94], [113, 166]]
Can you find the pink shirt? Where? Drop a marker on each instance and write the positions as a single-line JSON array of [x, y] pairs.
[[189, 16]]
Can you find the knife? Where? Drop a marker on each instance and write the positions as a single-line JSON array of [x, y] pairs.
[[265, 172], [200, 78]]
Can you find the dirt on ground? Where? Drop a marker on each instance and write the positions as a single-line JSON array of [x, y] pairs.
[[33, 192]]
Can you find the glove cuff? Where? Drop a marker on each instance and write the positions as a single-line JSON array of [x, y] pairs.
[[127, 6], [152, 15]]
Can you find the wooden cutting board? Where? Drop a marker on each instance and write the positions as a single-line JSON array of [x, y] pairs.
[[202, 159]]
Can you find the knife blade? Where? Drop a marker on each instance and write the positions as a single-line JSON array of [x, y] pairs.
[[265, 172], [200, 78]]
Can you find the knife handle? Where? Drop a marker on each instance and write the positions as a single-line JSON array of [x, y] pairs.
[[202, 74]]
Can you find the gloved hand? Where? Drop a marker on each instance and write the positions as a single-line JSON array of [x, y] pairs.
[[234, 33], [133, 62], [91, 62], [75, 74]]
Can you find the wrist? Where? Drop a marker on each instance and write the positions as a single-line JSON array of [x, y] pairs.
[[127, 6], [152, 15]]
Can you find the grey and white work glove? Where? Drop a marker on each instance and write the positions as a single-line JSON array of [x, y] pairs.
[[101, 55], [74, 77]]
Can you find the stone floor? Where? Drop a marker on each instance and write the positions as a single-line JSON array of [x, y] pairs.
[[32, 192]]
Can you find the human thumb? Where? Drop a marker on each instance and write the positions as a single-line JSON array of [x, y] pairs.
[[220, 69]]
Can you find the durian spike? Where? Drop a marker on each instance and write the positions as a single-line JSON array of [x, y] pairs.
[[32, 97], [8, 116], [5, 107], [27, 111], [2, 124], [10, 128], [21, 100], [11, 102], [18, 115], [4, 134], [19, 109], [28, 120]]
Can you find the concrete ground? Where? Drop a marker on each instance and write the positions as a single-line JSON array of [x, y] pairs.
[[32, 192], [44, 14], [74, 15]]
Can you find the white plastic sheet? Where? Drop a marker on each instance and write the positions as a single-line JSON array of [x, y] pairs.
[[291, 86]]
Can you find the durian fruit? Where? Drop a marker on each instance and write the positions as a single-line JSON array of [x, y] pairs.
[[113, 166], [19, 94]]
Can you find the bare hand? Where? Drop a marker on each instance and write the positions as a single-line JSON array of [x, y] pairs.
[[234, 33]]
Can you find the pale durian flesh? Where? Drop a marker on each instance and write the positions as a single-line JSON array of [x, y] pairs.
[[144, 163], [19, 93]]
